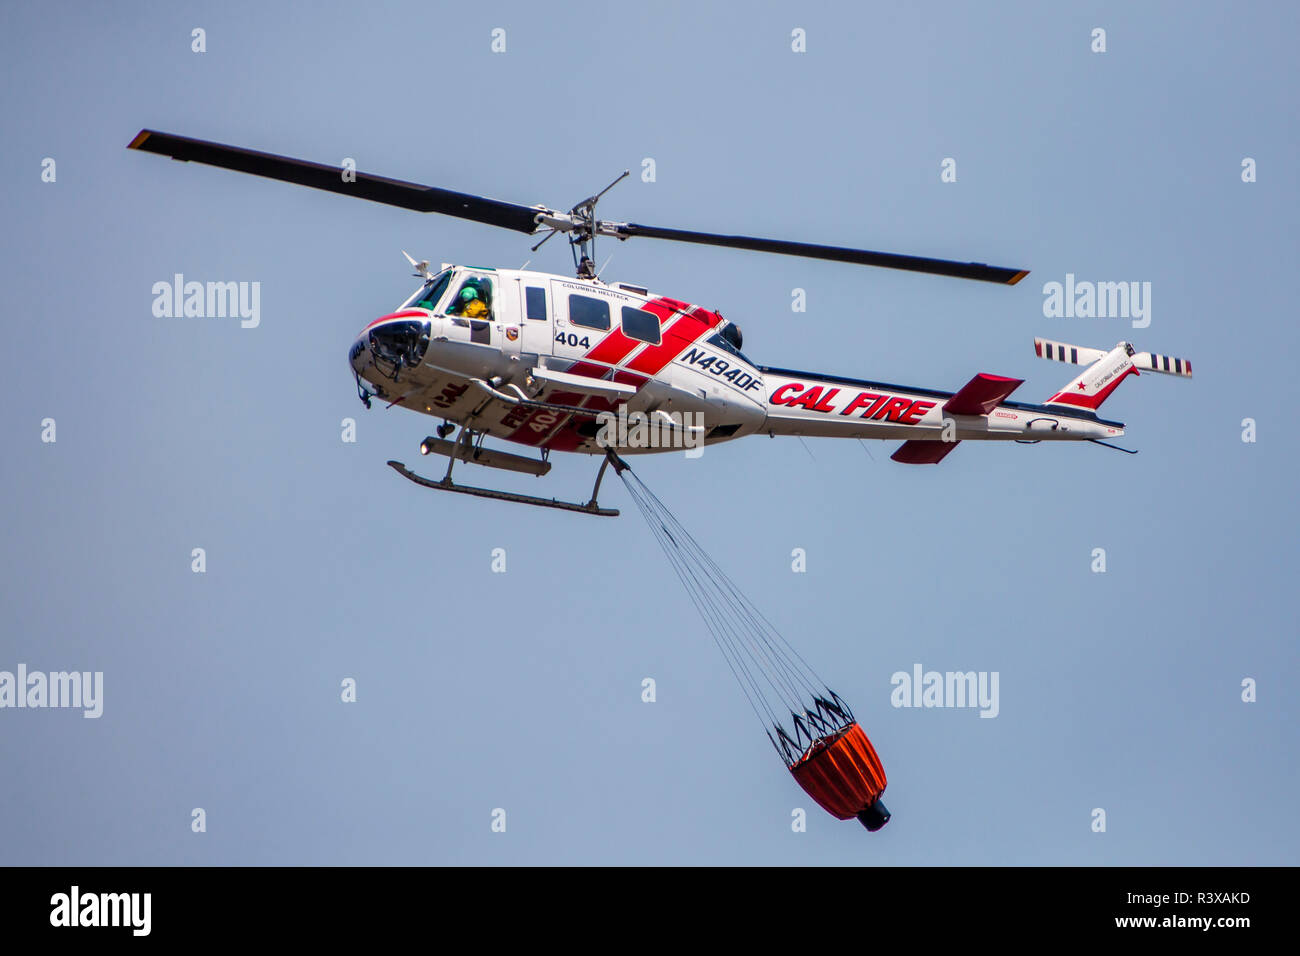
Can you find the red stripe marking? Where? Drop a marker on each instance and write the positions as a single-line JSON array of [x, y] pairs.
[[612, 349], [676, 338], [587, 370], [712, 318], [568, 438], [404, 314], [526, 434], [1092, 401], [634, 379]]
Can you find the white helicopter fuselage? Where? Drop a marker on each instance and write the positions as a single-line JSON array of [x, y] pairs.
[[550, 353], [564, 343], [539, 360]]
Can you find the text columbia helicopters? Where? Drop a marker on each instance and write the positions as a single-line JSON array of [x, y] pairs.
[[546, 361]]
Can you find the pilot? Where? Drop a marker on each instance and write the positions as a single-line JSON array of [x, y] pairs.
[[469, 304]]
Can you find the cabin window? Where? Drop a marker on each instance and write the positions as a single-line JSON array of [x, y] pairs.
[[588, 312], [640, 325], [535, 302]]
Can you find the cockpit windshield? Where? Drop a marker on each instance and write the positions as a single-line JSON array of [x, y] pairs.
[[429, 294]]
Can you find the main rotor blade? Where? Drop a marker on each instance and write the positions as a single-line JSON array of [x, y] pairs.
[[392, 192], [941, 267]]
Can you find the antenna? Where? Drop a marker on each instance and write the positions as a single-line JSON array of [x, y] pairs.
[[421, 268]]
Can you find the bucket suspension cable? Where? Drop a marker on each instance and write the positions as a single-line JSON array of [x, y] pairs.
[[824, 748], [773, 675]]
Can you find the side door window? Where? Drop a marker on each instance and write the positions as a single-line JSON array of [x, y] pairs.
[[535, 303], [534, 327]]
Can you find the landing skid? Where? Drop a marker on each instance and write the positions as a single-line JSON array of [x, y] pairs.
[[590, 508]]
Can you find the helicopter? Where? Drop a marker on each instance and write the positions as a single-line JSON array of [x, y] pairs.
[[550, 362]]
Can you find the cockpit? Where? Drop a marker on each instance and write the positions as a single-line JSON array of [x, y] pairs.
[[429, 294], [472, 299]]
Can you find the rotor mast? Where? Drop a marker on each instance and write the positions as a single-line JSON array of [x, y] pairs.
[[583, 227]]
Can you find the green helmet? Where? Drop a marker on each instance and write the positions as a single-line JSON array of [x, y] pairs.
[[468, 294]]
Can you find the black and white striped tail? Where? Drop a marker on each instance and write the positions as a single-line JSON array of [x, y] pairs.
[[1150, 362], [1143, 361], [1070, 354]]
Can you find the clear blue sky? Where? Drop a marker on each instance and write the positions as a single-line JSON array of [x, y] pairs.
[[522, 690]]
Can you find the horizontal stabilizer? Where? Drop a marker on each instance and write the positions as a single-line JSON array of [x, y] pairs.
[[917, 451], [980, 396], [1070, 354], [1148, 361]]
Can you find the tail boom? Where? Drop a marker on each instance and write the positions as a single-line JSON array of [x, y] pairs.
[[931, 422], [814, 405]]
